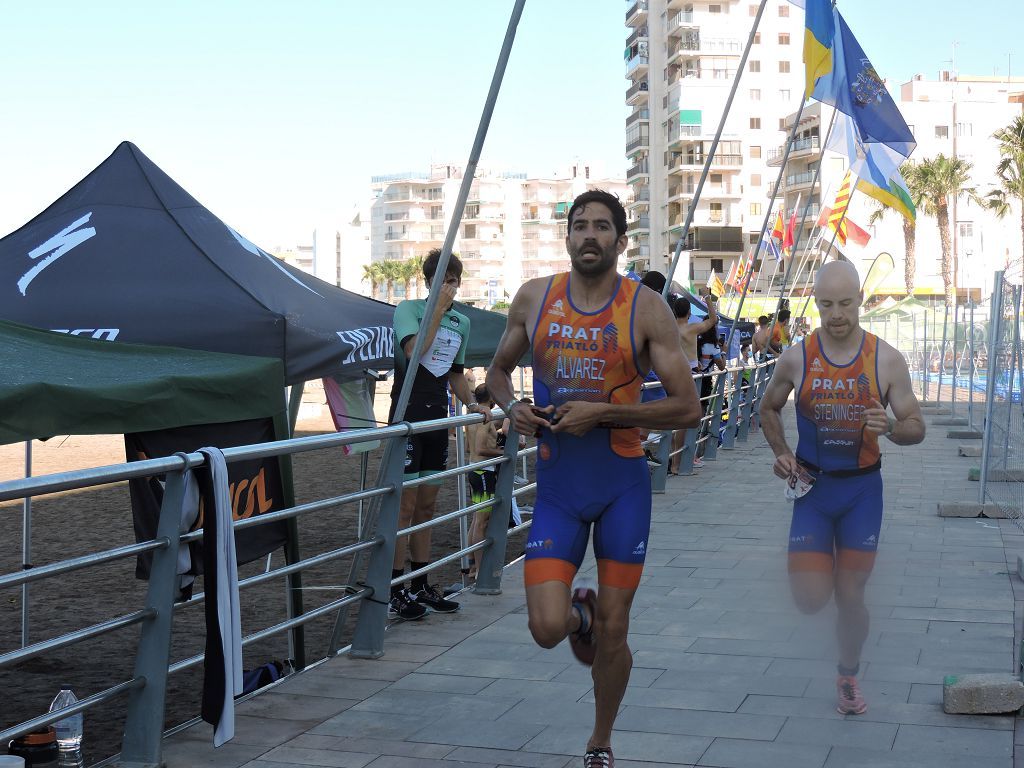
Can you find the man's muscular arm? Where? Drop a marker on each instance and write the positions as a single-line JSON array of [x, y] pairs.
[[678, 410], [908, 426], [772, 402], [511, 348]]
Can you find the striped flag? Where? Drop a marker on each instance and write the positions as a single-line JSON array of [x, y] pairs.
[[715, 284], [837, 219]]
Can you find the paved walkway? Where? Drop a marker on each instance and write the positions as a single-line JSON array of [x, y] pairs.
[[726, 673]]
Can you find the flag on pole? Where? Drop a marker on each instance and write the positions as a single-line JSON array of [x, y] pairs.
[[855, 88], [819, 31], [892, 193], [790, 237], [837, 218], [774, 250], [778, 231], [715, 284], [733, 270], [853, 233]]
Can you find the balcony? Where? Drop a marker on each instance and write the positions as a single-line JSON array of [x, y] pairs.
[[680, 133], [681, 21], [638, 34], [637, 13], [638, 65], [799, 180], [696, 162], [801, 148], [640, 141], [638, 170], [641, 222], [637, 94], [641, 198], [640, 114]]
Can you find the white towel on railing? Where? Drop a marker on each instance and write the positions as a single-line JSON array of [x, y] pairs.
[[222, 678]]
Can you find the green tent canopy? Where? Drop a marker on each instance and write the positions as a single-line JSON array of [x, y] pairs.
[[53, 384]]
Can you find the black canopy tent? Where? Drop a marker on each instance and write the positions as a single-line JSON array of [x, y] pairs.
[[128, 254]]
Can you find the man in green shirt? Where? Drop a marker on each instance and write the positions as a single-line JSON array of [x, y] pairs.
[[441, 366]]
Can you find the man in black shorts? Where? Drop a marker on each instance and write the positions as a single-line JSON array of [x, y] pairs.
[[441, 366]]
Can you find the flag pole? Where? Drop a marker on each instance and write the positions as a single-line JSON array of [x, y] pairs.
[[771, 203], [692, 208], [832, 242], [799, 232]]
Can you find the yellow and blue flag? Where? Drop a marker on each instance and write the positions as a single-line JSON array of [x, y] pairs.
[[819, 31], [854, 88]]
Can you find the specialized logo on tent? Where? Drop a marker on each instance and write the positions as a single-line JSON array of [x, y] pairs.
[[56, 246], [374, 343], [257, 251], [93, 333]]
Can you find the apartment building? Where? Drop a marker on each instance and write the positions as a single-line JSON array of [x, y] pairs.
[[954, 115], [513, 227], [681, 61], [335, 252]]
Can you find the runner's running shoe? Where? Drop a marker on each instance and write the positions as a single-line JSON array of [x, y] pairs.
[[582, 641], [404, 606], [599, 757], [851, 701], [429, 596]]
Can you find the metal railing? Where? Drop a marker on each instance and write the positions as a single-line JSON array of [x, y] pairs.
[[146, 689], [730, 401]]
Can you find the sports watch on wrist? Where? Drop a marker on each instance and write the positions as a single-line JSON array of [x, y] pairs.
[[510, 405]]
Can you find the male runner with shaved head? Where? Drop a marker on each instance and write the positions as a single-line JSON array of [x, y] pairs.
[[844, 379], [594, 335]]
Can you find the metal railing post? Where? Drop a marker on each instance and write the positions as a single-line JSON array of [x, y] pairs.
[[995, 321], [715, 425], [942, 351], [956, 369], [924, 357], [729, 437], [1009, 374], [144, 723], [659, 478], [748, 403], [689, 449], [463, 496], [492, 557], [368, 638], [970, 381]]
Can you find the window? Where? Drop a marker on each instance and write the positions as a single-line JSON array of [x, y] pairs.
[[755, 123], [755, 94], [784, 94], [755, 151], [752, 9], [966, 232], [755, 66], [716, 265], [784, 67], [941, 131], [714, 9], [752, 238], [757, 38], [782, 123], [964, 129], [755, 209], [755, 180], [783, 38], [469, 231], [784, 11]]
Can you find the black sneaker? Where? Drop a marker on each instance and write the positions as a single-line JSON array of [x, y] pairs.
[[651, 458], [429, 596], [404, 606]]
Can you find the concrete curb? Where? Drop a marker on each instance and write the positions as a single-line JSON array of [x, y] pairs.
[[964, 509]]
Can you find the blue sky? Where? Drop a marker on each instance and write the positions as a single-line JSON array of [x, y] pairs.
[[276, 114]]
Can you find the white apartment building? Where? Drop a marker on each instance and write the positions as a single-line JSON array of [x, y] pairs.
[[681, 60], [513, 227], [954, 116], [335, 253]]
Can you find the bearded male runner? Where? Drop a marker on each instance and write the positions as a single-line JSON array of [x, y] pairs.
[[594, 335], [844, 378]]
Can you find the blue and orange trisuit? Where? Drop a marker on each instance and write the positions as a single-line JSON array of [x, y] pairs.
[[839, 520], [602, 477]]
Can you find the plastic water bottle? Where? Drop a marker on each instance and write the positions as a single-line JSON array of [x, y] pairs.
[[69, 730]]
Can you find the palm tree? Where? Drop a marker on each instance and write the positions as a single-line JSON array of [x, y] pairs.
[[390, 273], [406, 274], [417, 273], [911, 175], [372, 273], [941, 178], [1010, 172]]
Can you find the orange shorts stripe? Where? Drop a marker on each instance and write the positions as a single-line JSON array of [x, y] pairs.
[[856, 560], [541, 569], [800, 562], [611, 573]]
